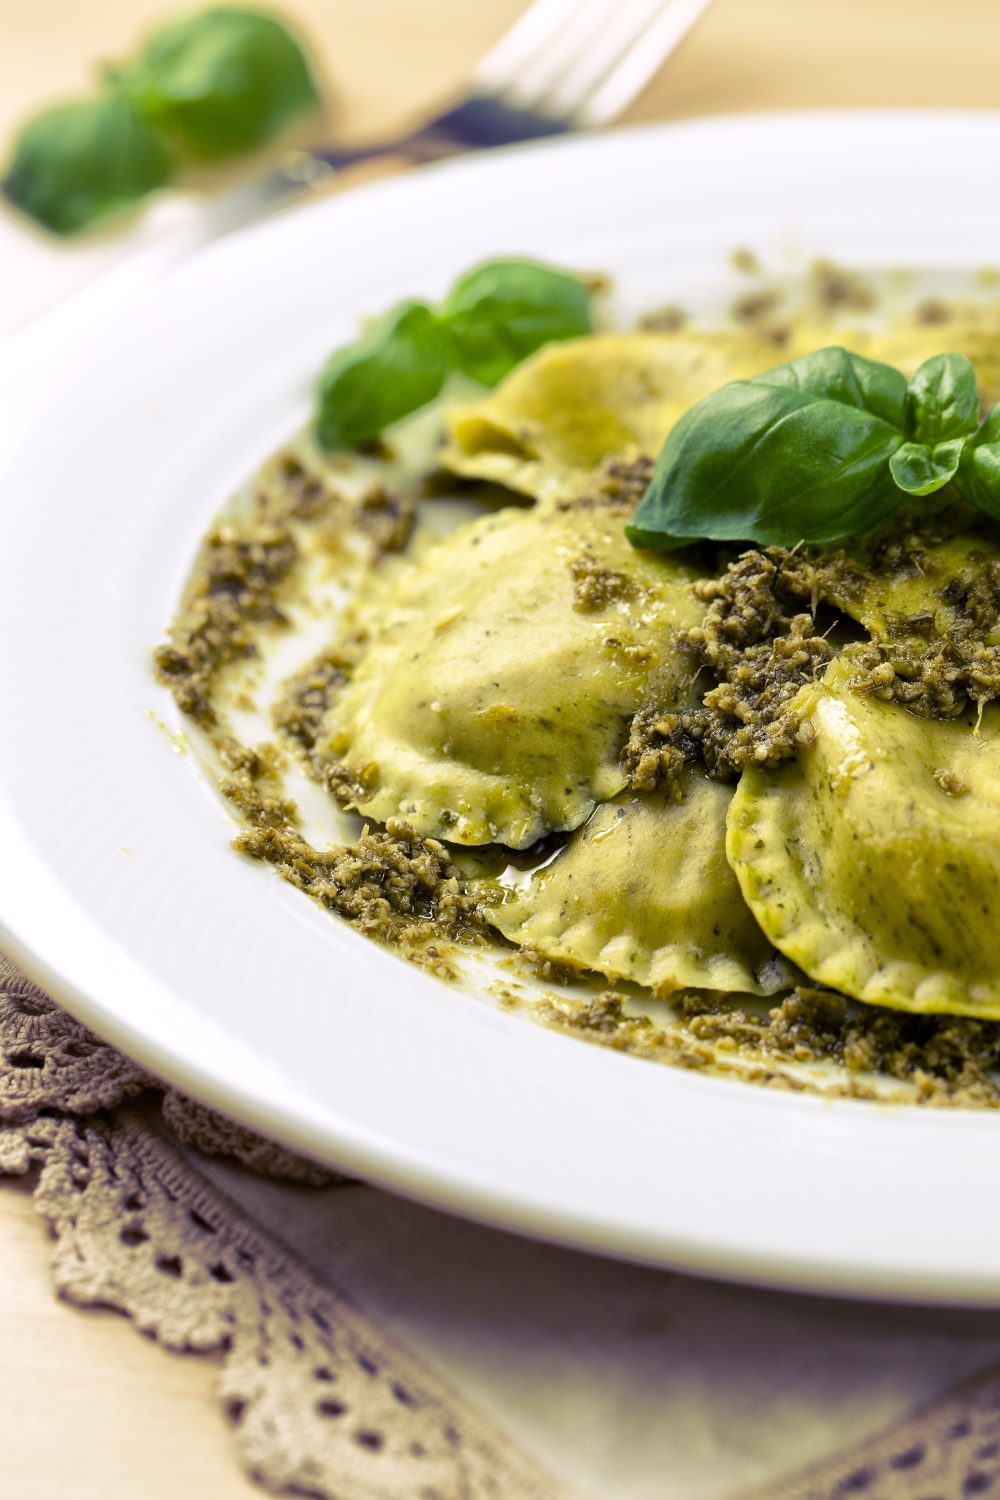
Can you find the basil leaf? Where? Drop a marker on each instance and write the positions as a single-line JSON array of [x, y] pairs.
[[922, 468], [397, 367], [942, 401], [770, 461], [81, 162], [978, 477], [500, 312], [839, 375], [222, 81], [656, 541]]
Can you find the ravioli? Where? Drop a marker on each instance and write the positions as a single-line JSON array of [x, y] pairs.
[[644, 893], [490, 702], [941, 587], [558, 414], [873, 860]]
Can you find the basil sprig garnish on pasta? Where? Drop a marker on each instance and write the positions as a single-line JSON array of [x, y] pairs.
[[494, 316], [499, 313], [213, 85], [817, 450], [398, 366]]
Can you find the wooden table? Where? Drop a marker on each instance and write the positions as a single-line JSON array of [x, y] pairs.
[[88, 1410]]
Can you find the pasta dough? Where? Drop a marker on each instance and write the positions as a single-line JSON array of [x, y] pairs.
[[873, 860], [943, 588], [551, 421], [490, 703], [644, 893], [558, 414]]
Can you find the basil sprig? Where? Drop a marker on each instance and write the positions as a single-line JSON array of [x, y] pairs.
[[221, 82], [83, 161], [493, 317], [499, 313], [396, 368], [817, 450], [213, 85]]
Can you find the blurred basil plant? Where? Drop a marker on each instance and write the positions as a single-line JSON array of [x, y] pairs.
[[209, 87]]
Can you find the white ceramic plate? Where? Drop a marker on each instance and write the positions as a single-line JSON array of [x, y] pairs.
[[118, 889]]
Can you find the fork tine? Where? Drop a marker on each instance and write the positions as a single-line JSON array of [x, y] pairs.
[[564, 64], [529, 86], [523, 42], [638, 66], [604, 49]]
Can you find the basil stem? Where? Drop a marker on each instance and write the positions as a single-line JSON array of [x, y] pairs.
[[84, 161], [395, 368], [221, 82], [500, 312]]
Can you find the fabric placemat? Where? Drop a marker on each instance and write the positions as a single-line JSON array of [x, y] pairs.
[[377, 1348]]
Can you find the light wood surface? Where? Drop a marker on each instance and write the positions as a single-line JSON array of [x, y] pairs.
[[388, 58], [88, 1410]]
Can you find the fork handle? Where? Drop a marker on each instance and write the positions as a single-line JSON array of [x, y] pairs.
[[476, 123]]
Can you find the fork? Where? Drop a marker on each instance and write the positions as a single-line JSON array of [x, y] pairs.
[[564, 65]]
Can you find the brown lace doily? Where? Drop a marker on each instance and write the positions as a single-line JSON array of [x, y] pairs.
[[323, 1402]]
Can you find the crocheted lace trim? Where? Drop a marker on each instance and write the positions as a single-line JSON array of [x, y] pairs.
[[323, 1402], [947, 1451]]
